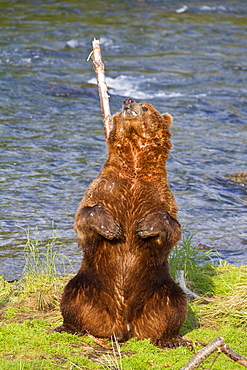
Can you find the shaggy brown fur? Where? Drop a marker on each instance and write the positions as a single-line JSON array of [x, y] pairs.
[[126, 225]]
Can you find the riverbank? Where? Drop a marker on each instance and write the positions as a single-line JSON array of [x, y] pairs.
[[29, 312]]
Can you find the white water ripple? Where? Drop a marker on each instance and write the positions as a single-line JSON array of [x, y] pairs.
[[129, 87]]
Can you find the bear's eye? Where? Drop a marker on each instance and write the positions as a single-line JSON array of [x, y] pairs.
[[144, 108]]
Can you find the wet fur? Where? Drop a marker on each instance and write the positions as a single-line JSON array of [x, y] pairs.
[[126, 225]]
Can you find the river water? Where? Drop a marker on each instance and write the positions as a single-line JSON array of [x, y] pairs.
[[186, 58]]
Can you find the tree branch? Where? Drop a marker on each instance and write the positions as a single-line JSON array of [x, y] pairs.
[[233, 355], [219, 345], [102, 86], [201, 355]]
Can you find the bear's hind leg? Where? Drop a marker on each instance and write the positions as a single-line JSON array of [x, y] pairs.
[[162, 316], [86, 308]]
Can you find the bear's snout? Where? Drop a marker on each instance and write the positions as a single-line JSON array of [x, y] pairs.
[[131, 109], [127, 102]]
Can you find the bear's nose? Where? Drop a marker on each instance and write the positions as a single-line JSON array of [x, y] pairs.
[[127, 102]]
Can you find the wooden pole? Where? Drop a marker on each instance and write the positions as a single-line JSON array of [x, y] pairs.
[[102, 87]]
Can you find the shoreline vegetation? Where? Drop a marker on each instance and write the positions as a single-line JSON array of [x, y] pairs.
[[29, 313]]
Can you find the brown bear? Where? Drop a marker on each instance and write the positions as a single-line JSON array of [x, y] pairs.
[[126, 225]]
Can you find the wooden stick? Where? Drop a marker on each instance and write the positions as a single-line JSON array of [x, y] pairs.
[[233, 355], [99, 341], [102, 87], [219, 345], [201, 355], [181, 281]]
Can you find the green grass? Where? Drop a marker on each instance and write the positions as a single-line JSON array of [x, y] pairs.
[[42, 257], [29, 312], [32, 343]]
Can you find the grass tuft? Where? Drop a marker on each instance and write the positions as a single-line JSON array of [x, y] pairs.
[[186, 256], [42, 257], [197, 265]]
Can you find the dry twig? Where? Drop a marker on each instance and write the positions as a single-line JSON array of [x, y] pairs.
[[99, 341], [233, 355], [219, 345], [102, 86], [201, 355], [181, 281]]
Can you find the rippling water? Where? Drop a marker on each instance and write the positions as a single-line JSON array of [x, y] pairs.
[[188, 59]]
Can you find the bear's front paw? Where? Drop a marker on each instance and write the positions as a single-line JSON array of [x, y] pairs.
[[174, 343], [102, 221], [154, 224], [68, 328]]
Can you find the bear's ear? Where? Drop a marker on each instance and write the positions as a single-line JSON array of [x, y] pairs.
[[168, 118]]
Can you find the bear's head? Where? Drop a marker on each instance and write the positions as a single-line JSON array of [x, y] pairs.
[[140, 124], [139, 141]]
